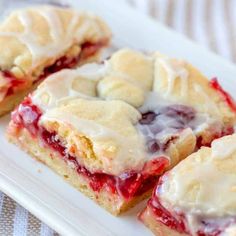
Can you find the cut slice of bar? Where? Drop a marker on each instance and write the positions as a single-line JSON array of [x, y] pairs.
[[198, 196], [108, 133], [43, 40]]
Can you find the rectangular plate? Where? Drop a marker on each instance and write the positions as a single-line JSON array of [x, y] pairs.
[[44, 193]]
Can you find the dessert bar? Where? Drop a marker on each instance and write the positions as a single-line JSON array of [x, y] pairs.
[[198, 196], [111, 129], [36, 42]]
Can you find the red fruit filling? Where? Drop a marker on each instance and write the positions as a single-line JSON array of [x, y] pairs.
[[172, 120], [225, 131], [127, 185], [27, 115], [14, 83], [227, 98], [177, 220], [88, 49]]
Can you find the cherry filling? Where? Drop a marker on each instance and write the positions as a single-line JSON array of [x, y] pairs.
[[227, 98], [164, 121], [210, 230], [174, 221], [165, 217], [127, 185], [168, 121], [27, 115], [14, 83], [223, 132], [88, 49]]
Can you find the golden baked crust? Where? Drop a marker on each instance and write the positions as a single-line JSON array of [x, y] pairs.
[[131, 75], [129, 78], [11, 101], [159, 229], [44, 39], [36, 36], [202, 188], [182, 83], [113, 203], [193, 174], [183, 146], [100, 136], [63, 86]]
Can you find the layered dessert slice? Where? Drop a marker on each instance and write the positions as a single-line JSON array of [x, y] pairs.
[[36, 42], [198, 196], [111, 132]]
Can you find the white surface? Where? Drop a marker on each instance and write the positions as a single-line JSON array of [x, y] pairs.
[[211, 23], [44, 193]]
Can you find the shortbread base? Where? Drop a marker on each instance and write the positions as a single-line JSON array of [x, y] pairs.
[[113, 203], [159, 229], [11, 101]]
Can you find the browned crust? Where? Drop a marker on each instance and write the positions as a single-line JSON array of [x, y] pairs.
[[159, 229], [11, 101], [111, 202]]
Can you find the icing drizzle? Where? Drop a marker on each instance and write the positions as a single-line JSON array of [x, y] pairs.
[[175, 69], [127, 153], [203, 186], [58, 88], [60, 40]]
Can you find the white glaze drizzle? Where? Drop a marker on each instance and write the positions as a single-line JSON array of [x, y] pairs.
[[54, 24], [223, 149], [27, 38], [123, 76], [60, 41], [213, 187], [152, 100], [70, 93], [202, 121], [230, 231], [59, 86], [175, 70], [127, 157], [73, 22]]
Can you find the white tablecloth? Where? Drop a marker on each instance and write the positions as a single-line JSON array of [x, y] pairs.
[[211, 23]]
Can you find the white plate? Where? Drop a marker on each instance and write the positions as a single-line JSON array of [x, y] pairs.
[[44, 193]]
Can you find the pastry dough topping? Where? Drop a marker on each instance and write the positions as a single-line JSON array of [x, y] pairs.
[[113, 118], [175, 70], [158, 123], [202, 188], [62, 30], [41, 41]]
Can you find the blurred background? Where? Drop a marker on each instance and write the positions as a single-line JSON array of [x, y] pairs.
[[212, 23]]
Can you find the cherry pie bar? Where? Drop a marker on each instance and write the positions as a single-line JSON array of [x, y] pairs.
[[111, 129], [198, 196], [37, 42]]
